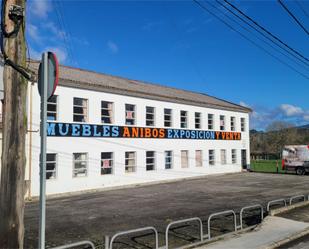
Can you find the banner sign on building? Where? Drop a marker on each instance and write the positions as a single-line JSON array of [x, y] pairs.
[[55, 129]]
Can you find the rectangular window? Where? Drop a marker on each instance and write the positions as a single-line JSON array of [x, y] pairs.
[[106, 112], [150, 160], [52, 108], [130, 114], [198, 120], [210, 121], [130, 161], [167, 117], [198, 158], [184, 159], [222, 122], [211, 157], [80, 164], [80, 110], [233, 124], [107, 163], [243, 124], [223, 157], [183, 119], [234, 156], [168, 159], [51, 166], [150, 116]]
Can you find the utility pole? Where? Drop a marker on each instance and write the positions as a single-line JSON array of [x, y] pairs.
[[12, 186]]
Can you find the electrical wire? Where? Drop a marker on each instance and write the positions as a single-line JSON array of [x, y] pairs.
[[293, 16], [248, 39], [302, 8], [266, 31]]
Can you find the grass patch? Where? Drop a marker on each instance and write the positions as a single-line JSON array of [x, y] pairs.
[[269, 166]]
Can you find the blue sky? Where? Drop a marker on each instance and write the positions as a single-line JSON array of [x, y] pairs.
[[176, 43]]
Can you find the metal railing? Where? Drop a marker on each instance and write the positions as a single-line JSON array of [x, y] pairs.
[[74, 245], [275, 202], [250, 208], [109, 245], [183, 221], [297, 197], [219, 214]]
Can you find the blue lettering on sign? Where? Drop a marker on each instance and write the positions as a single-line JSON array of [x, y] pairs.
[[95, 132], [75, 130], [61, 132], [169, 133], [106, 131], [51, 129], [115, 131], [86, 130]]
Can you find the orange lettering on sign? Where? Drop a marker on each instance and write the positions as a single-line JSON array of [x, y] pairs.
[[231, 135], [217, 134], [126, 132], [147, 132], [238, 136], [223, 135], [134, 132], [162, 133], [155, 133]]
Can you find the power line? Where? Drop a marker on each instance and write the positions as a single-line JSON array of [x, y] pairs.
[[302, 8], [293, 16], [248, 39], [265, 30], [264, 35]]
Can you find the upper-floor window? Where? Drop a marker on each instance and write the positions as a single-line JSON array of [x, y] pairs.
[[80, 110], [168, 159], [210, 121], [183, 119], [150, 160], [107, 163], [80, 164], [198, 158], [130, 161], [222, 122], [106, 112], [211, 157], [198, 124], [150, 116], [167, 117], [52, 108], [223, 157], [130, 114], [243, 124], [234, 156], [233, 125], [51, 166]]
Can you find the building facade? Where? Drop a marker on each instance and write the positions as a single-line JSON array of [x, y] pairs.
[[106, 131]]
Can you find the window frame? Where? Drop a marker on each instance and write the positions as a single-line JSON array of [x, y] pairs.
[[153, 164], [153, 120], [56, 166], [185, 122], [223, 157], [222, 127], [243, 124], [187, 159], [233, 123], [111, 162], [133, 114], [234, 156], [74, 161], [199, 123], [196, 158], [212, 157], [111, 117], [127, 165], [83, 107], [210, 123], [55, 104], [168, 115], [170, 157]]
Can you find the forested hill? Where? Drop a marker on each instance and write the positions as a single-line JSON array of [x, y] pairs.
[[272, 141]]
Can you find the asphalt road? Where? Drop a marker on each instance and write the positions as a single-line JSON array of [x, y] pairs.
[[93, 215]]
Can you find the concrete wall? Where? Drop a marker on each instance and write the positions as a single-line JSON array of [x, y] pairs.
[[65, 147]]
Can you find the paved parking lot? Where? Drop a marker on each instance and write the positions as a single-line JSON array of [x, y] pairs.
[[93, 215]]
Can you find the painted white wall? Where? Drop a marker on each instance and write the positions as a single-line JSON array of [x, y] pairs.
[[65, 147]]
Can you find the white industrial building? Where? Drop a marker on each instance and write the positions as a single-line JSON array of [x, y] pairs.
[[107, 131]]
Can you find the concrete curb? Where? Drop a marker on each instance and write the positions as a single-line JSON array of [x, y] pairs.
[[288, 208], [287, 240]]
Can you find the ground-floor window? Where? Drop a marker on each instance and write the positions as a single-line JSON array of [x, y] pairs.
[[223, 157], [198, 158], [168, 159], [211, 157], [107, 163], [80, 164], [150, 160], [130, 161], [234, 156], [51, 166], [184, 159]]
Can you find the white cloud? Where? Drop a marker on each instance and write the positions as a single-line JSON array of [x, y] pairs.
[[33, 32], [113, 47], [291, 110], [306, 117], [244, 104], [40, 8], [60, 53]]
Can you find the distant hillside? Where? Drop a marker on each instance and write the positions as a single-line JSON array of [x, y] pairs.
[[272, 142]]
